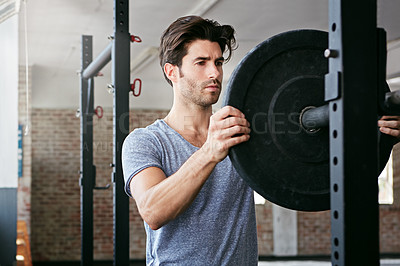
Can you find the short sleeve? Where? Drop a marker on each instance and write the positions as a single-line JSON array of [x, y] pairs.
[[141, 150]]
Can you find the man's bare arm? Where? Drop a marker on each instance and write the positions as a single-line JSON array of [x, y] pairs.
[[161, 199]]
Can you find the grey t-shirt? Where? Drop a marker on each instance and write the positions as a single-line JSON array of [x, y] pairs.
[[219, 228]]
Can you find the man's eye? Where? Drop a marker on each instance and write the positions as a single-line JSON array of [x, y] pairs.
[[219, 63], [200, 63]]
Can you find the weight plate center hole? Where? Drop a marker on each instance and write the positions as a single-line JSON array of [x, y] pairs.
[[308, 125]]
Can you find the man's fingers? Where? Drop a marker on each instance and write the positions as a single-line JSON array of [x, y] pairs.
[[395, 124], [229, 122], [237, 140], [233, 121], [235, 131], [390, 125], [391, 117], [227, 111], [391, 132]]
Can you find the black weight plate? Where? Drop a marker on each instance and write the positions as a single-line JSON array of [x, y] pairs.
[[272, 85]]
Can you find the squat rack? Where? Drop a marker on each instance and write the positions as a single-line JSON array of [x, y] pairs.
[[118, 51], [352, 78], [351, 88]]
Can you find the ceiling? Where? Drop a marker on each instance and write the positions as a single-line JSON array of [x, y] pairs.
[[54, 29]]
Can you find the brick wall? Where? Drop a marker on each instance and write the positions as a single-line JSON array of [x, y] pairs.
[[55, 223], [389, 222], [313, 231], [396, 176], [264, 229], [56, 192], [55, 195], [389, 230]]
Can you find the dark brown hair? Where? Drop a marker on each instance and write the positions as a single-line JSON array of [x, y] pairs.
[[183, 31]]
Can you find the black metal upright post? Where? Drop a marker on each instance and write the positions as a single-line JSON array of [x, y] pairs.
[[121, 83], [351, 88], [86, 172]]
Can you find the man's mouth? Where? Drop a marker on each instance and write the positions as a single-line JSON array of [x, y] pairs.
[[212, 86]]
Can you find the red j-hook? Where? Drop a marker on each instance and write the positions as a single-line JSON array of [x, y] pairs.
[[133, 87], [99, 112], [135, 38]]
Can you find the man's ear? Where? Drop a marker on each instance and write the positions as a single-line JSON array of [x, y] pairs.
[[171, 72]]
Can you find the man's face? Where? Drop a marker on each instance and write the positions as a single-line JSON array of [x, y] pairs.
[[200, 75]]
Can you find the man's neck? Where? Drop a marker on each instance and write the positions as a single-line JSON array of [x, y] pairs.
[[191, 122], [186, 119]]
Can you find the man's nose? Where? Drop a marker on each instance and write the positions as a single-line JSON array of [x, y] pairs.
[[213, 71]]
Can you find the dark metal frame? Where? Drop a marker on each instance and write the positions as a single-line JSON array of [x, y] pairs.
[[119, 53], [121, 82], [351, 89], [86, 179]]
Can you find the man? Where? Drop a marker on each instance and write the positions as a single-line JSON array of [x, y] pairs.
[[196, 208]]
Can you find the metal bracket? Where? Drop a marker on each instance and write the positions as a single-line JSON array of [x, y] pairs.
[[94, 181], [113, 179], [332, 86]]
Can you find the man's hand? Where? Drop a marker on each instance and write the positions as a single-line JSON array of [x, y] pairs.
[[228, 127], [390, 125]]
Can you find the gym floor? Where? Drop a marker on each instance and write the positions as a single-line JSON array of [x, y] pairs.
[[384, 262]]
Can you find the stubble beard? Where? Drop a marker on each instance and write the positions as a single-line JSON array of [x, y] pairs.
[[195, 91]]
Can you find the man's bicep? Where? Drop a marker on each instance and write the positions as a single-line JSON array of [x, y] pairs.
[[144, 180]]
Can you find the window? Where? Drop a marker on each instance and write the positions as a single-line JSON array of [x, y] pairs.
[[258, 199], [385, 182]]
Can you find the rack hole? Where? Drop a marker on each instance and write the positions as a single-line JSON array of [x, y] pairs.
[[336, 241], [335, 160], [336, 255], [334, 133], [334, 107], [336, 214], [334, 27], [335, 187]]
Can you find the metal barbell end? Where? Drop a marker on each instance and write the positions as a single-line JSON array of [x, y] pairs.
[[110, 88]]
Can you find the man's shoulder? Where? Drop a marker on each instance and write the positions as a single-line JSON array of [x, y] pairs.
[[150, 133]]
